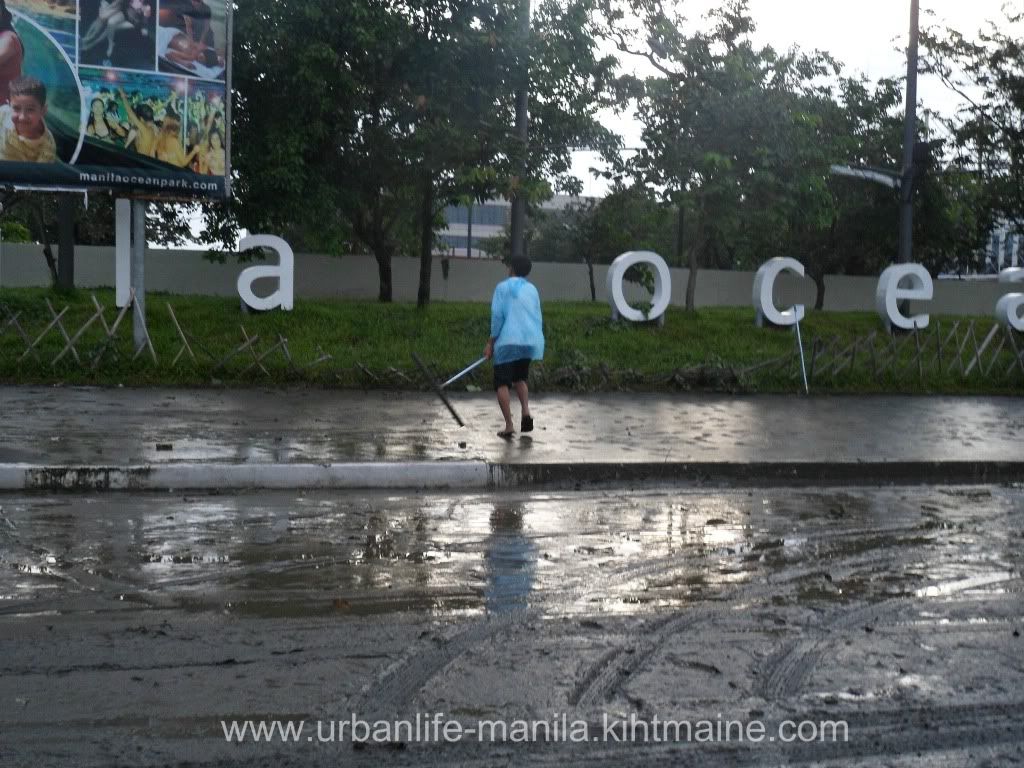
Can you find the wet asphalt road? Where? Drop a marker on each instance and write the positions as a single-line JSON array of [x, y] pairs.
[[114, 427], [132, 626]]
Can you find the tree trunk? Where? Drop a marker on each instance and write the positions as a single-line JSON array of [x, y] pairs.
[[691, 278], [47, 250], [680, 230], [691, 281], [66, 243], [590, 274], [383, 254], [819, 283], [426, 241]]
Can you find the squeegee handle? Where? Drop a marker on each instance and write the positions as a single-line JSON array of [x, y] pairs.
[[466, 372]]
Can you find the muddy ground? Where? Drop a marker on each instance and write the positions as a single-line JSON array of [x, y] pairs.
[[132, 626]]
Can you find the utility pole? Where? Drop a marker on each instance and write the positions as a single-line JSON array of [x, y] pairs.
[[906, 253], [518, 228]]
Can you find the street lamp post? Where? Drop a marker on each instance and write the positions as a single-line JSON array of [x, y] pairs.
[[906, 252], [517, 234]]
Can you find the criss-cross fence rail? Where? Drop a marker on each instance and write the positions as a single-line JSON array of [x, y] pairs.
[[104, 337], [965, 350], [75, 346]]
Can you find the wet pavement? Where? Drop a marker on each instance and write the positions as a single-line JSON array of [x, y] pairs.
[[132, 626], [115, 427]]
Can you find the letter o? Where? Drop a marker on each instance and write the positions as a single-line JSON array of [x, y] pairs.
[[662, 286]]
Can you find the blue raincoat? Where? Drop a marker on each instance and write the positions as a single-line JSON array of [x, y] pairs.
[[516, 322]]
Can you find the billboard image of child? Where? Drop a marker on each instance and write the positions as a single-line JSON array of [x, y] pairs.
[[24, 137], [40, 107]]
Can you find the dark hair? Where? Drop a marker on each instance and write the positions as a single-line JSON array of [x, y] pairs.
[[6, 19], [29, 86], [144, 112], [521, 267], [171, 122]]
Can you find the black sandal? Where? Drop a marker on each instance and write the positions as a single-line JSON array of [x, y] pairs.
[[507, 435], [527, 425]]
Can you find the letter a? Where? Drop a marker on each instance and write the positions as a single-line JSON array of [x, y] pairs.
[[284, 296]]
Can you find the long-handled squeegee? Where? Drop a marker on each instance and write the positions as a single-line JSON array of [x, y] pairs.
[[439, 387]]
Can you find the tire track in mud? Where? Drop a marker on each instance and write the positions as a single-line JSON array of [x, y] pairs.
[[875, 737], [785, 671], [605, 675], [396, 685], [599, 682]]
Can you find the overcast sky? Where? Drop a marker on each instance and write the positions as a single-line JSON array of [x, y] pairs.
[[869, 36]]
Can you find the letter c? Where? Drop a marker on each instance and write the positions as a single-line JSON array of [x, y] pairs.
[[764, 288]]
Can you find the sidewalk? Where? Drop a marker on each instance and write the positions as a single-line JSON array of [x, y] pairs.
[[229, 439]]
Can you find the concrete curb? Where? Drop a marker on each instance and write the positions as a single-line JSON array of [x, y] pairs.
[[479, 475], [749, 474], [225, 476]]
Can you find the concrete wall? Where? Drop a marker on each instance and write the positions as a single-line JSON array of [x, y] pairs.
[[355, 277]]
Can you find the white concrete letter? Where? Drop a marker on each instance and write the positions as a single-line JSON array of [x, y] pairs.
[[1010, 307], [764, 288], [889, 294], [662, 286], [284, 296]]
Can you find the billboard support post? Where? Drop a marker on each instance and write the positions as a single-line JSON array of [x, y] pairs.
[[138, 273], [123, 252]]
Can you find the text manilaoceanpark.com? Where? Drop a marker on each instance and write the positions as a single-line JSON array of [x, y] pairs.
[[161, 182], [438, 729]]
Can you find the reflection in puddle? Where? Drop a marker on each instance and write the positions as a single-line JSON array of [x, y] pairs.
[[511, 560], [324, 554]]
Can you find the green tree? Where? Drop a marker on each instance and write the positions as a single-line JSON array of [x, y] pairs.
[[356, 123], [321, 110], [986, 140], [467, 145], [728, 133]]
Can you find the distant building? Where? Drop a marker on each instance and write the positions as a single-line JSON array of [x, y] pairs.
[[488, 219], [1005, 249], [483, 221]]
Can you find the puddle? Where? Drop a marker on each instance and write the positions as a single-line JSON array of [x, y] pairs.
[[322, 554]]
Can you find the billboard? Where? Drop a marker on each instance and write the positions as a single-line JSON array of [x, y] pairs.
[[128, 95]]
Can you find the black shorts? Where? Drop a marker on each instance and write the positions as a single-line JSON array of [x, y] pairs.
[[507, 374]]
